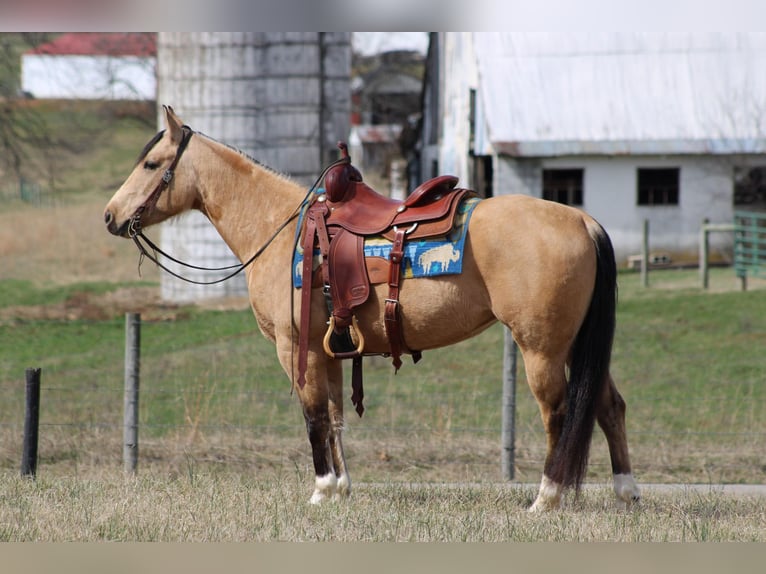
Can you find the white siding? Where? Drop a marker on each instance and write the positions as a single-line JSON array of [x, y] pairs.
[[89, 77], [460, 64], [610, 195]]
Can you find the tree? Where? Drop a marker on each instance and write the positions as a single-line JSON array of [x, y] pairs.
[[38, 137], [21, 128]]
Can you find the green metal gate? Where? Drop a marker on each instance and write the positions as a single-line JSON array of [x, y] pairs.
[[749, 244]]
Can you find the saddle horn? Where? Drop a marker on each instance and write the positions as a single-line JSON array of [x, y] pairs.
[[339, 179]]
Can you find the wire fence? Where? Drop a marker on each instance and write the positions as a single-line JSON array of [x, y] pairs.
[[29, 192], [221, 413]]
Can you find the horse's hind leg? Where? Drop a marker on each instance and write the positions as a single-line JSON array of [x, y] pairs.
[[611, 418], [547, 380]]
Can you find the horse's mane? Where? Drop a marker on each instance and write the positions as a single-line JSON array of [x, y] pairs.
[[244, 155], [158, 136]]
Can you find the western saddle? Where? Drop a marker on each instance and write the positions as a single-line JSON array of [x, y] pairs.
[[337, 223]]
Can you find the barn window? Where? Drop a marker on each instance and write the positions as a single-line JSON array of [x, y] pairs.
[[563, 185], [658, 186], [749, 185]]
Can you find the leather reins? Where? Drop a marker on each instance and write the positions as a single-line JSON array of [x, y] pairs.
[[135, 231]]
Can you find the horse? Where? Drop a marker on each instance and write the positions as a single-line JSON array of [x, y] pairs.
[[545, 270]]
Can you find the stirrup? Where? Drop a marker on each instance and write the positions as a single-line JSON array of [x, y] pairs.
[[328, 334]]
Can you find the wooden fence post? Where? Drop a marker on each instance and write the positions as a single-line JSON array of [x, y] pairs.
[[132, 380], [704, 250], [508, 433], [31, 424], [645, 255]]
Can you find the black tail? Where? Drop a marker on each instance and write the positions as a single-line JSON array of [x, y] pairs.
[[589, 369]]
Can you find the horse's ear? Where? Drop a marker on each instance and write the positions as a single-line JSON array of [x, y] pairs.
[[174, 124]]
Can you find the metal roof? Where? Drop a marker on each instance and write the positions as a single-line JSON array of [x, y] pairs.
[[547, 94], [142, 44]]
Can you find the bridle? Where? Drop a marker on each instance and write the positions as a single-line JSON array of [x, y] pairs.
[[151, 251], [134, 224]]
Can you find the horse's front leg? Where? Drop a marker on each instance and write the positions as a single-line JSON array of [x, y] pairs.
[[325, 431], [314, 398], [335, 405], [317, 417]]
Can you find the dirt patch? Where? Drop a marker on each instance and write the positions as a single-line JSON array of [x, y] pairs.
[[86, 306], [98, 307]]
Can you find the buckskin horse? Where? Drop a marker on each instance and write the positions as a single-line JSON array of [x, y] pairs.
[[545, 270]]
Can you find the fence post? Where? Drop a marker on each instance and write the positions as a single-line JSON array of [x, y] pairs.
[[31, 424], [645, 255], [704, 253], [705, 230], [132, 379], [508, 433]]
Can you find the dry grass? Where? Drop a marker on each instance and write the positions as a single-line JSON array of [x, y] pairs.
[[272, 507], [65, 244]]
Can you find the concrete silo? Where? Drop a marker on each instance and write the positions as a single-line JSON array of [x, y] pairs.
[[281, 97]]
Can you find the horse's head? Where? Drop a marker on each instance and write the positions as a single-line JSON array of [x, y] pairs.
[[160, 186]]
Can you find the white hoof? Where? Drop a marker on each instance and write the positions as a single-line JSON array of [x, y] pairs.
[[549, 497], [317, 497], [343, 488], [626, 489], [326, 487]]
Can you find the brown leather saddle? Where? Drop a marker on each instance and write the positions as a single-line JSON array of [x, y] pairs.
[[337, 222]]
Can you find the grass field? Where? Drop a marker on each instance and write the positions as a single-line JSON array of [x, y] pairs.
[[223, 451], [208, 507], [686, 362]]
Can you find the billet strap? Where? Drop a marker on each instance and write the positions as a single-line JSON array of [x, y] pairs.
[[357, 390], [393, 328], [323, 239]]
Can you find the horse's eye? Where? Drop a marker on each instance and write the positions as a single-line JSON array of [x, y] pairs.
[[148, 164]]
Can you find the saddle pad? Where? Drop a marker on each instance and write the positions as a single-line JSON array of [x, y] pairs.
[[422, 257]]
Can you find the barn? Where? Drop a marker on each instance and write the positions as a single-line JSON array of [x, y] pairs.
[[668, 128], [92, 66]]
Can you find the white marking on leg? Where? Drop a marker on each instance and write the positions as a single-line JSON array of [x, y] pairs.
[[343, 486], [626, 489], [549, 496], [325, 488]]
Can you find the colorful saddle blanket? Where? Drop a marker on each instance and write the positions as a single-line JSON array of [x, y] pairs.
[[422, 258]]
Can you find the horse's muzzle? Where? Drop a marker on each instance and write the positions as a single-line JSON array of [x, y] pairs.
[[113, 227]]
